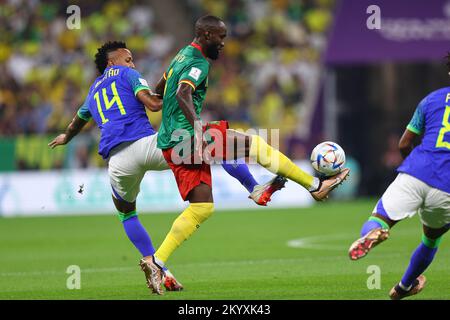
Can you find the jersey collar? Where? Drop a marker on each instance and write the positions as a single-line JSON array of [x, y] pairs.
[[196, 46]]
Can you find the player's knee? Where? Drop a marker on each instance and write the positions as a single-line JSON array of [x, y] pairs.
[[123, 206], [202, 211]]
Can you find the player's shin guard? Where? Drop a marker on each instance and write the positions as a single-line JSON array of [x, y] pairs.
[[183, 227], [137, 233], [277, 163], [420, 260]]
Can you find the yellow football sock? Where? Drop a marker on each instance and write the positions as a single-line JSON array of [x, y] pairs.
[[277, 163], [183, 227]]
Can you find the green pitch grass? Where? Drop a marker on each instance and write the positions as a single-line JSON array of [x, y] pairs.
[[234, 255]]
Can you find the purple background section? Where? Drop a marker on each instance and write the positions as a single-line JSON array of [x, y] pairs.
[[352, 42]]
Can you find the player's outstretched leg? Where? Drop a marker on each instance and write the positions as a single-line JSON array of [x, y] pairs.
[[260, 194], [230, 144], [373, 232], [413, 281], [277, 163]]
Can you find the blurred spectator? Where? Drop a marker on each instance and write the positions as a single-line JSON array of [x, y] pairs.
[[47, 69]]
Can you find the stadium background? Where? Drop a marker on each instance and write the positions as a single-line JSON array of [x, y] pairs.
[[271, 76], [279, 70]]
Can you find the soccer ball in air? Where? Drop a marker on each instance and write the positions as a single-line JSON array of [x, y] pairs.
[[328, 158]]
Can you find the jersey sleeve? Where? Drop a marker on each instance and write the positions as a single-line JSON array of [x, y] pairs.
[[195, 73], [136, 81], [417, 123], [83, 111]]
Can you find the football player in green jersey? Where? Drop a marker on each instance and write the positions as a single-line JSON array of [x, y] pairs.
[[189, 146]]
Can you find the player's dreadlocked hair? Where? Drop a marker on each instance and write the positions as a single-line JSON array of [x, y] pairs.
[[101, 57]]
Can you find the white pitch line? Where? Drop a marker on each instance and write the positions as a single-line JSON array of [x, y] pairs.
[[319, 242]]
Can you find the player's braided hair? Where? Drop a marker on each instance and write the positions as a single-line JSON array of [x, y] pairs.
[[101, 57]]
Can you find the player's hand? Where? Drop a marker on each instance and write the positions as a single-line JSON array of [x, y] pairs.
[[157, 104], [206, 154], [198, 151], [58, 141]]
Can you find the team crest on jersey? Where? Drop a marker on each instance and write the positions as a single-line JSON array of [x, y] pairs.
[[195, 73]]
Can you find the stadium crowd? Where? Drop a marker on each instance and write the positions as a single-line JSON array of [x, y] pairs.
[[267, 78]]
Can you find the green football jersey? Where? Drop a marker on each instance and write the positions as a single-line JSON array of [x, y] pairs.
[[191, 67]]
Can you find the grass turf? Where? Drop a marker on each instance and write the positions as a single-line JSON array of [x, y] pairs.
[[234, 255]]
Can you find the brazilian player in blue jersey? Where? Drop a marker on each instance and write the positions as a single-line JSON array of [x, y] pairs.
[[116, 101], [422, 186]]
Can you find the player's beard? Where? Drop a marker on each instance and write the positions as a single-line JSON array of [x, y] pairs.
[[212, 51]]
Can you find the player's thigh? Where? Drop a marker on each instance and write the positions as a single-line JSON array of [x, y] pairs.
[[435, 212], [125, 174], [403, 198], [154, 158]]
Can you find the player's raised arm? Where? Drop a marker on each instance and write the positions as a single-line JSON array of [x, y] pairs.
[[72, 130]]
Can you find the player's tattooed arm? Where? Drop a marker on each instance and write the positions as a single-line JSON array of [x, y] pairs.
[[407, 142], [72, 130], [150, 100], [184, 98]]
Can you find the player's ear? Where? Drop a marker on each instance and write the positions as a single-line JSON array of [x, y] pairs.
[[207, 35]]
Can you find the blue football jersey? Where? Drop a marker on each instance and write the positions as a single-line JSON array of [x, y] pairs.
[[430, 161], [113, 104]]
